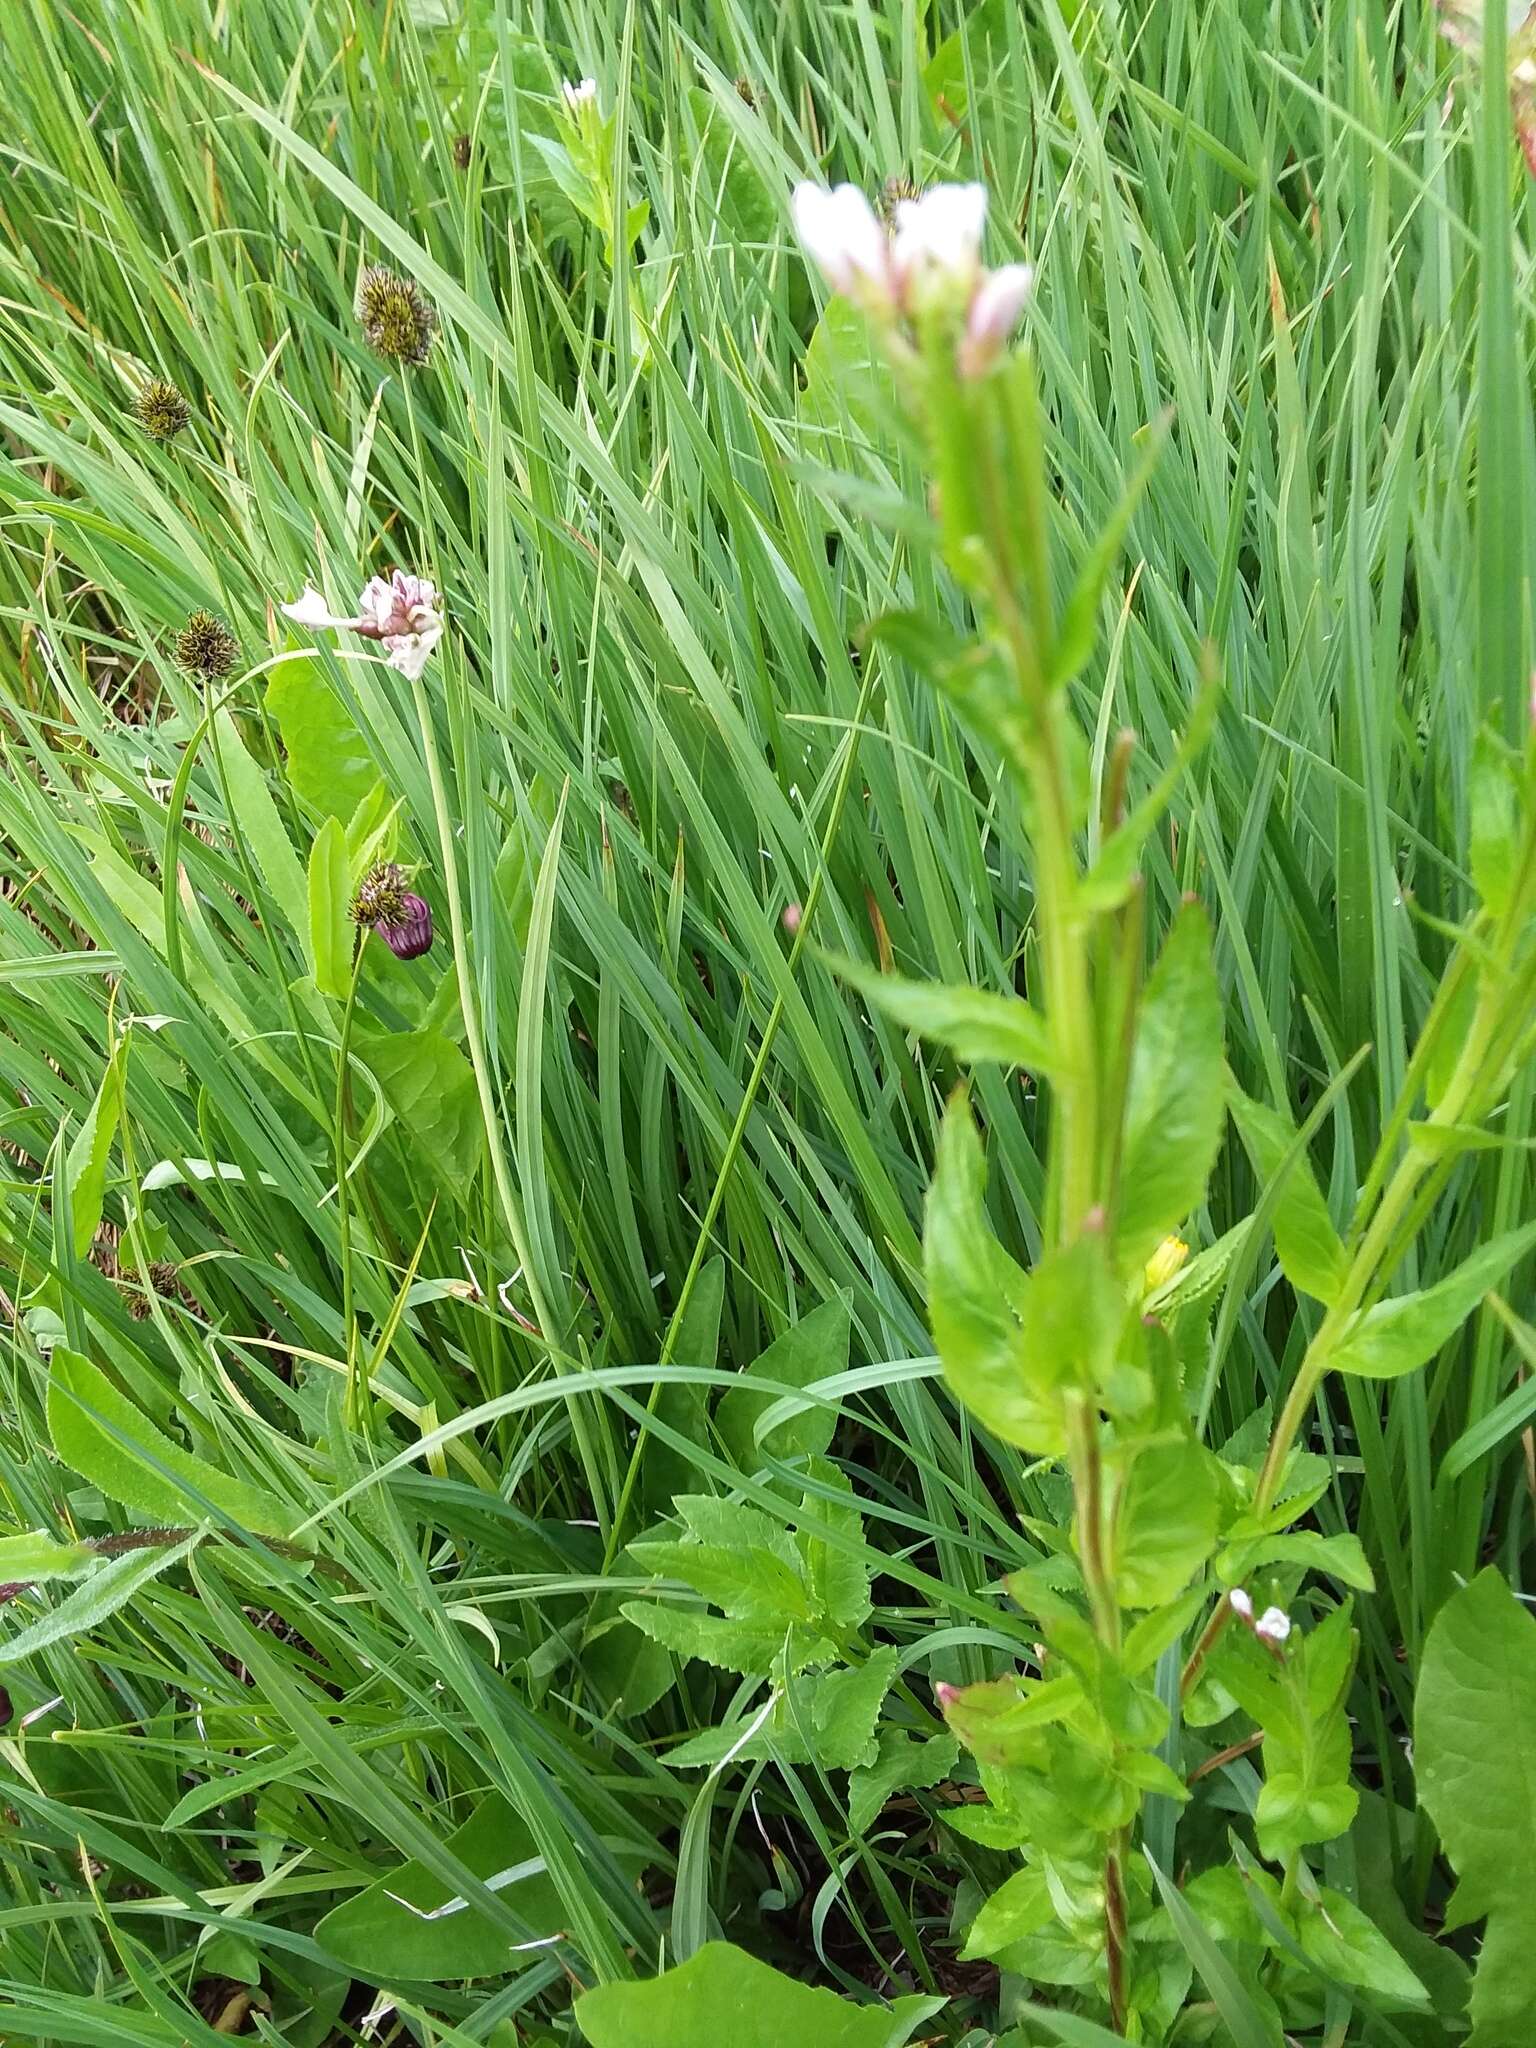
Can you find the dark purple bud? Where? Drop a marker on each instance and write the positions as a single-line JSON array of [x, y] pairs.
[[409, 935]]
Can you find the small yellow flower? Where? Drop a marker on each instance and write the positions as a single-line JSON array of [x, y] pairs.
[[1164, 1263]]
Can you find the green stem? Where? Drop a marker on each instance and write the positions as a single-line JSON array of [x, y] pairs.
[[343, 1200]]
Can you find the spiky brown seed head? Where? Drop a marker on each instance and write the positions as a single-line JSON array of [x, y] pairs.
[[745, 93], [160, 409], [206, 648], [380, 897], [463, 151], [397, 321]]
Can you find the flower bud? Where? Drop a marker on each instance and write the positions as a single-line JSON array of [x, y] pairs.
[[1164, 1263], [384, 904], [1240, 1603], [996, 308], [1273, 1625]]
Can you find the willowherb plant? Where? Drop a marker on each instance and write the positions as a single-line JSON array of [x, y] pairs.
[[1093, 1358]]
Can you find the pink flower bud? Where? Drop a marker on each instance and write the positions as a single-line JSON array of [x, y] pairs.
[[791, 918], [998, 303]]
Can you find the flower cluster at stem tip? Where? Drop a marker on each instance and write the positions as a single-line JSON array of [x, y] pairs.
[[1272, 1626], [400, 611], [384, 904], [926, 261]]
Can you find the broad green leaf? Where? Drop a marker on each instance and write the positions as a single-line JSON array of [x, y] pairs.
[[902, 1763], [1342, 1557], [1475, 1760], [1399, 1335], [748, 1583], [1308, 1247], [1493, 801], [747, 1647], [845, 1707], [1351, 1949], [387, 1929], [90, 1154], [36, 1555], [1177, 1102], [815, 1348], [330, 896], [1308, 1795], [721, 1995], [1014, 1346], [1165, 1527], [974, 1023], [430, 1085], [103, 1437], [1023, 1905], [328, 762], [255, 816], [89, 1603]]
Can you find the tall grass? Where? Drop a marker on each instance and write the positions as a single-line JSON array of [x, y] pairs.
[[662, 503]]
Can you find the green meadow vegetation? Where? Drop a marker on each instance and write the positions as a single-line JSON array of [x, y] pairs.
[[767, 1062]]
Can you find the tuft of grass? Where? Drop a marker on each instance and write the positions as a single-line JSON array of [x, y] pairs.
[[641, 1117]]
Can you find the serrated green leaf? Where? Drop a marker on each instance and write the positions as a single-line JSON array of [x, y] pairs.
[[748, 1584], [731, 1645], [330, 896], [1013, 1345], [1475, 1760], [1002, 1720], [1176, 1104], [430, 1085], [901, 1763], [845, 1706], [1399, 1335], [1166, 1525], [103, 1437]]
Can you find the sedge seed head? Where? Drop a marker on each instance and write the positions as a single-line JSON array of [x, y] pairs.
[[160, 409], [206, 648], [895, 189], [381, 896], [463, 151], [397, 321]]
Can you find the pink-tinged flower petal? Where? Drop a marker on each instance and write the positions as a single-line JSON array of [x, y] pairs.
[[309, 608], [409, 936], [1240, 1603], [999, 302], [376, 601], [410, 652], [938, 235], [840, 233], [1274, 1625]]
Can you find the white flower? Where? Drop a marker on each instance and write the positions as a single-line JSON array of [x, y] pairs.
[[400, 611], [999, 301], [1240, 1603], [841, 235], [580, 94], [938, 236], [309, 608], [1273, 1625]]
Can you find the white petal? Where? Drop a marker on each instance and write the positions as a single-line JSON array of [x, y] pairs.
[[576, 95], [309, 608], [940, 231], [1240, 1603], [1274, 1624], [841, 235], [376, 600]]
